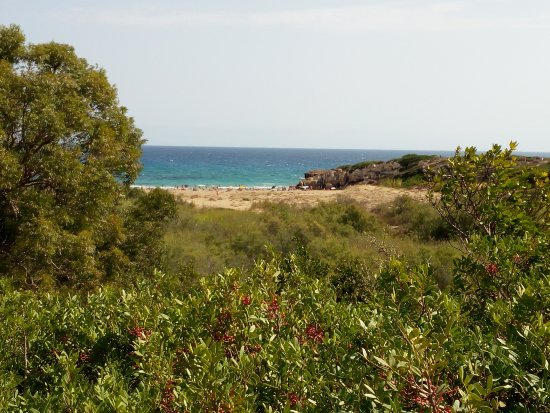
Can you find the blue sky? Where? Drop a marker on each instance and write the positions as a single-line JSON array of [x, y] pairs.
[[378, 74]]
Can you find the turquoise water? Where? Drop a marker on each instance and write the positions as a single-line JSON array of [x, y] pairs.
[[252, 167]]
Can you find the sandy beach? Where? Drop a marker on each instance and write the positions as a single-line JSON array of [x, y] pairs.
[[370, 196]]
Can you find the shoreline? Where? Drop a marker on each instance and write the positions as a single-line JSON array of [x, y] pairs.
[[213, 187], [248, 198]]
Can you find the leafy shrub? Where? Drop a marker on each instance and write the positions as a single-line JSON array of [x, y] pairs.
[[357, 219], [350, 281], [271, 339], [416, 218], [507, 209], [236, 342]]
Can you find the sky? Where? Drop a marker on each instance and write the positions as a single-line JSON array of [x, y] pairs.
[[371, 74]]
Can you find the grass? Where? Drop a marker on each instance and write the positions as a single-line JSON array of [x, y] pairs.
[[201, 241]]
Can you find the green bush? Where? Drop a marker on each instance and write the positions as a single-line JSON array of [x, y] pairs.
[[415, 218], [274, 338], [357, 219]]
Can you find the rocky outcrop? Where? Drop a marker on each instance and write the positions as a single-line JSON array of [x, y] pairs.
[[339, 178], [375, 172], [325, 179], [406, 167], [369, 172]]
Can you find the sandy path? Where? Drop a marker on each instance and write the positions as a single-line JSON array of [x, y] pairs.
[[368, 195]]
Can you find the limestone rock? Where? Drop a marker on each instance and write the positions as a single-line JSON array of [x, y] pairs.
[[373, 172]]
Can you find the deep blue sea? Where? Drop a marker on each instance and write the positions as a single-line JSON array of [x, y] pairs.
[[170, 166]]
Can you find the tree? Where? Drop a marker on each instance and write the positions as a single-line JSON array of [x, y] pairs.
[[68, 149], [491, 194], [144, 223], [500, 210]]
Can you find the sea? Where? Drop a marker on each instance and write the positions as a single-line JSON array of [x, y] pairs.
[[174, 166]]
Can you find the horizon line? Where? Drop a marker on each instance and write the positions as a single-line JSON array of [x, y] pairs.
[[332, 149]]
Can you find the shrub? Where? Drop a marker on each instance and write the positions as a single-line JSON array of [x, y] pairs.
[[357, 219], [416, 218], [350, 281], [507, 209]]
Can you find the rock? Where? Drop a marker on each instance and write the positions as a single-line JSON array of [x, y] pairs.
[[408, 166], [325, 179], [375, 172], [314, 173], [368, 172]]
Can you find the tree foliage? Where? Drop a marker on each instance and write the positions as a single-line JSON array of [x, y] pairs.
[[489, 194], [501, 213], [67, 150]]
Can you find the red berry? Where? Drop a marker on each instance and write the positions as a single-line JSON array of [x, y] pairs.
[[139, 332], [246, 300], [83, 357], [273, 309], [492, 269], [293, 398], [315, 333]]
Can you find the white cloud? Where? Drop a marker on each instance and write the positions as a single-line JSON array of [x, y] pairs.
[[434, 16]]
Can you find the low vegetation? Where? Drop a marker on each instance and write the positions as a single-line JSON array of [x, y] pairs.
[[415, 219], [358, 165], [203, 241], [295, 332]]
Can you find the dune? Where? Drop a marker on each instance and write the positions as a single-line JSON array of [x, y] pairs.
[[370, 196]]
